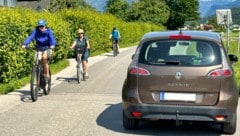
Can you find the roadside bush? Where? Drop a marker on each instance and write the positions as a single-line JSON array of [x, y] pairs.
[[98, 27]]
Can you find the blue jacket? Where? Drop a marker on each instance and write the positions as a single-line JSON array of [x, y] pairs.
[[43, 39]]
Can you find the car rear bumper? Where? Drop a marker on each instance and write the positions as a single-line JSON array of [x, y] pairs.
[[178, 112]]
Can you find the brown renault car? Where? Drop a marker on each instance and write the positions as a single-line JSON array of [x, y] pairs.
[[181, 76]]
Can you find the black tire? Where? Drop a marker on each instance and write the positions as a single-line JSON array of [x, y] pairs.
[[129, 123], [34, 88], [230, 127], [79, 70], [79, 74], [47, 87], [114, 50]]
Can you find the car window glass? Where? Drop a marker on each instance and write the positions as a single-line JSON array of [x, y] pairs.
[[180, 48], [180, 52], [205, 54]]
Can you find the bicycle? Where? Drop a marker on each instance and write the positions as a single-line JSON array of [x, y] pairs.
[[80, 76], [37, 78], [115, 48]]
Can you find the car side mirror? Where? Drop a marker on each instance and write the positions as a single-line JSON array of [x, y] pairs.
[[233, 58]]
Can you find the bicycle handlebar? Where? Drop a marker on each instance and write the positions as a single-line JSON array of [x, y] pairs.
[[36, 47], [79, 50]]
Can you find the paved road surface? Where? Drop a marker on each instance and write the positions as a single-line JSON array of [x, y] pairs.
[[92, 108]]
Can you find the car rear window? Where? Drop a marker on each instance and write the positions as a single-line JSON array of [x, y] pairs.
[[180, 52]]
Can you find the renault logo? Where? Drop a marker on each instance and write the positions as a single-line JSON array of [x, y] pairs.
[[178, 75]]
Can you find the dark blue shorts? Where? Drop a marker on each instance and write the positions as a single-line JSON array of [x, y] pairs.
[[116, 41], [86, 55]]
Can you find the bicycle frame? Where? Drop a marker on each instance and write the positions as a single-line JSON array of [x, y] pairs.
[[39, 67], [79, 52], [115, 48]]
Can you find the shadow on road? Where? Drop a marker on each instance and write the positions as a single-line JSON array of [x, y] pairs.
[[109, 54], [111, 118], [26, 95], [72, 80]]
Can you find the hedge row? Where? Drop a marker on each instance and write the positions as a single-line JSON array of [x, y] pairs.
[[17, 23], [98, 27]]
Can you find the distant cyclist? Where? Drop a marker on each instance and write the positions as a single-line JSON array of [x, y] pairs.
[[82, 41], [115, 37], [45, 41]]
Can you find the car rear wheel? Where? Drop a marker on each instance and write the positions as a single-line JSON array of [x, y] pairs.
[[230, 127], [129, 123]]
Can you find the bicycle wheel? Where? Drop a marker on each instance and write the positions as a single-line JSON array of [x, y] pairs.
[[34, 87], [47, 87], [114, 50], [79, 73]]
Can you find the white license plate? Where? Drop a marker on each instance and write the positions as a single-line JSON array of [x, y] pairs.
[[166, 96]]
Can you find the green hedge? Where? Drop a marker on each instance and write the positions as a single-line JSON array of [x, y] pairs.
[[98, 27], [17, 23]]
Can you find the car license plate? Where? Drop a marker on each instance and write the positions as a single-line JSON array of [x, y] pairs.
[[166, 96]]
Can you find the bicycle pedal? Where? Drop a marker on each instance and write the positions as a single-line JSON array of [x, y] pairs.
[[46, 82]]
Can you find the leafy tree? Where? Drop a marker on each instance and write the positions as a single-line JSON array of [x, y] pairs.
[[118, 8], [151, 11], [181, 11], [56, 5]]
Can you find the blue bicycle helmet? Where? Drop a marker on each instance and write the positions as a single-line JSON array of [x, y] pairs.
[[41, 22]]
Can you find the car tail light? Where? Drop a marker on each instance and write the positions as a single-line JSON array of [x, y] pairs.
[[220, 72], [136, 114], [180, 36], [138, 71]]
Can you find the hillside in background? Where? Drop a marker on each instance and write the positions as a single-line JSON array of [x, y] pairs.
[[209, 7], [206, 7], [236, 15]]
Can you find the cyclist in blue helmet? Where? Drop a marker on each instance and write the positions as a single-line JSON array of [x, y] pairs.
[[45, 42]]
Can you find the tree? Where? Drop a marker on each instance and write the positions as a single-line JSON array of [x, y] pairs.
[[152, 11], [118, 8], [181, 11], [56, 5]]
